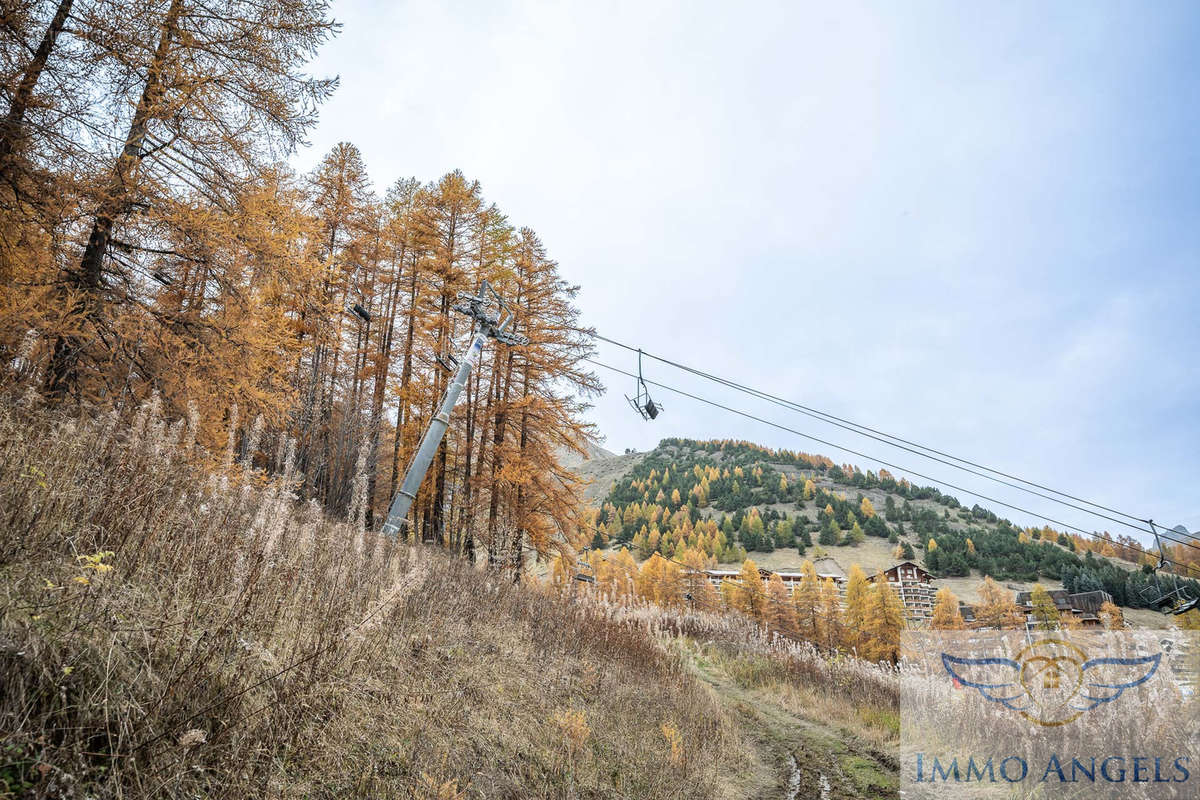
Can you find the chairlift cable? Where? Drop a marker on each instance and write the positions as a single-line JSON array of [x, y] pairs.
[[881, 461], [907, 445], [881, 436]]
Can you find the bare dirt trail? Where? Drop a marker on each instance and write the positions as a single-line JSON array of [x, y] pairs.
[[799, 758]]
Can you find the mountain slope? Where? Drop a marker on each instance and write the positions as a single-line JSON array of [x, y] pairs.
[[776, 505], [166, 632]]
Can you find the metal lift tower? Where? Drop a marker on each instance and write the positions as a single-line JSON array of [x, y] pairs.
[[489, 325]]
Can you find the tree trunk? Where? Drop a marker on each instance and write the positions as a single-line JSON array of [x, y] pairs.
[[383, 364], [518, 554], [467, 517], [459, 522], [405, 379], [62, 373], [437, 516], [14, 121], [494, 545]]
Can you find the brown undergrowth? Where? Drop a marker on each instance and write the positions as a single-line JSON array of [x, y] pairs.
[[859, 697], [178, 625]]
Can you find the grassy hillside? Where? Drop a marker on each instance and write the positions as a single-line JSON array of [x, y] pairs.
[[780, 507], [173, 624], [164, 632]]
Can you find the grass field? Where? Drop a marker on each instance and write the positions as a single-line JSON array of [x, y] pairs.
[[175, 624]]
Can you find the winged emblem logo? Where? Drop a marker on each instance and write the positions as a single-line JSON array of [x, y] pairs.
[[1051, 682]]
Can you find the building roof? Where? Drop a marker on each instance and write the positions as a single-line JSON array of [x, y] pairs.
[[922, 573], [766, 574], [829, 566], [1060, 598], [1065, 601]]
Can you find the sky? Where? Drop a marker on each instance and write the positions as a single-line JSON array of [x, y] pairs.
[[973, 225]]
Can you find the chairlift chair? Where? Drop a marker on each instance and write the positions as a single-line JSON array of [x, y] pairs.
[[584, 577], [641, 402], [1186, 606], [1189, 603], [447, 362], [1176, 601]]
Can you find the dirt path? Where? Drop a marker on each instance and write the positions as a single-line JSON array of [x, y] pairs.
[[799, 758]]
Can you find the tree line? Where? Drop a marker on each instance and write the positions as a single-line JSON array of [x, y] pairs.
[[154, 242], [866, 621]]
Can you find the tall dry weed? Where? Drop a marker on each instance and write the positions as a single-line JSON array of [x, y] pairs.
[[174, 624]]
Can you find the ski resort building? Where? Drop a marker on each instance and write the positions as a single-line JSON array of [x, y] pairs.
[[790, 579], [912, 584], [1083, 607]]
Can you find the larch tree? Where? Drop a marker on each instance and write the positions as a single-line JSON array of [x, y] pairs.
[[780, 614], [204, 96], [729, 592], [857, 589], [343, 210], [884, 623], [670, 588], [806, 600], [947, 616], [625, 573], [831, 624], [45, 76], [650, 578], [751, 595], [1044, 610], [704, 595], [1111, 616], [996, 608]]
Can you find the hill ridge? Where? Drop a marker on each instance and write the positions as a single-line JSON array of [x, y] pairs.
[[725, 482]]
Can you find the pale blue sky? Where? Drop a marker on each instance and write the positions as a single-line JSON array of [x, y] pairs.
[[973, 224]]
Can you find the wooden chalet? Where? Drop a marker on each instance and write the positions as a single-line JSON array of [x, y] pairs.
[[1084, 607]]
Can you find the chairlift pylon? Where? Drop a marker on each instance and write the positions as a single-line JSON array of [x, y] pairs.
[[641, 402]]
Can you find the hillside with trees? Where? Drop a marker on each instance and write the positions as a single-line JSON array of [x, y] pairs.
[[155, 243], [730, 500]]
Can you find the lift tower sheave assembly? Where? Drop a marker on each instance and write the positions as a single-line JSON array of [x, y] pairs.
[[489, 325]]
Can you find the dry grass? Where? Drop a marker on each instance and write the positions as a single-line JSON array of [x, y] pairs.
[[860, 698], [167, 633], [757, 656], [1155, 719]]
